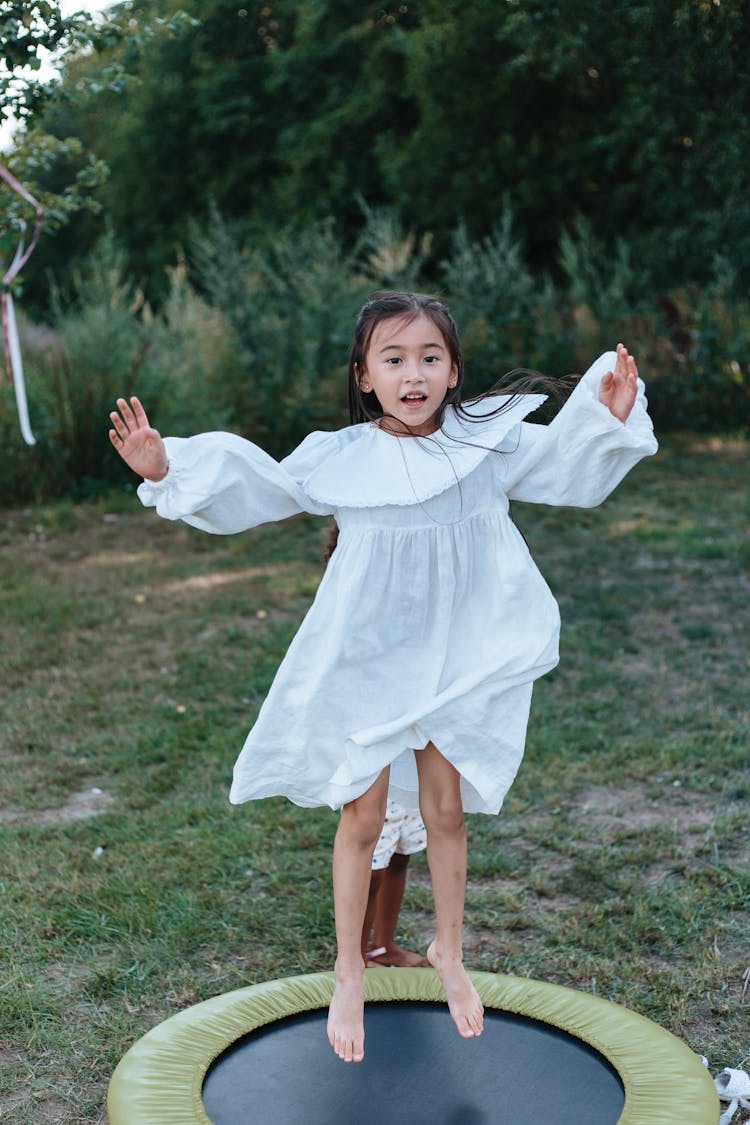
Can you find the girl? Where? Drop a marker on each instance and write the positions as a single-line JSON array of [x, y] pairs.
[[412, 672]]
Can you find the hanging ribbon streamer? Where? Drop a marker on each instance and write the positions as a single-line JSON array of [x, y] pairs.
[[13, 362]]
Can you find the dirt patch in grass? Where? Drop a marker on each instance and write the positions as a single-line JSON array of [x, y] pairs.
[[45, 1111], [697, 823], [26, 1092], [66, 977], [217, 579], [633, 806], [79, 806]]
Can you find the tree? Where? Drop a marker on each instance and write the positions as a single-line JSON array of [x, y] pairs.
[[632, 115], [28, 30], [50, 155]]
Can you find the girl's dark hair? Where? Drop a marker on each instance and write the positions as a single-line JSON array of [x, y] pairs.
[[394, 304], [389, 305]]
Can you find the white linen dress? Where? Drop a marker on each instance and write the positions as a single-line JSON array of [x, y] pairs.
[[431, 621]]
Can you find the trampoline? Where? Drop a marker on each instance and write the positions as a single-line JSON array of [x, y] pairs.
[[260, 1054]]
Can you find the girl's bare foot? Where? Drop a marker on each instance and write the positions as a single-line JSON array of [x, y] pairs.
[[463, 999], [395, 956], [346, 1027]]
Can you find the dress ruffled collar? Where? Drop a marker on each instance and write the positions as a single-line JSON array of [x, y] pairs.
[[373, 468]]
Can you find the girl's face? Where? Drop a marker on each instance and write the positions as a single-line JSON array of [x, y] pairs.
[[409, 368]]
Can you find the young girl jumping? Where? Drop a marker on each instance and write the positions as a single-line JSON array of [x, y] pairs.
[[412, 671]]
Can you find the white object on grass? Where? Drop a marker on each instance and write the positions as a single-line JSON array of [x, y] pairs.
[[733, 1086]]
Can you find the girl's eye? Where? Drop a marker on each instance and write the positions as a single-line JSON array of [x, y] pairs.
[[431, 359], [393, 359]]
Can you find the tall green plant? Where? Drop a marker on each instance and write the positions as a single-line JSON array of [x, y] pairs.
[[100, 349], [392, 257], [691, 343], [507, 317], [703, 365], [604, 283], [103, 342], [291, 307], [189, 362]]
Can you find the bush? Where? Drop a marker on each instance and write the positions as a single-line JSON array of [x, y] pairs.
[[189, 363], [74, 369], [262, 348], [506, 317], [702, 373], [692, 345], [390, 256], [98, 353], [20, 467], [291, 308], [104, 342]]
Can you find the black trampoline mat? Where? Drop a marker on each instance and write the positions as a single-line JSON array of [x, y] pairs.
[[416, 1068]]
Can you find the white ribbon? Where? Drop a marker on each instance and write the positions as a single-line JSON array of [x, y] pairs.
[[16, 363], [10, 329]]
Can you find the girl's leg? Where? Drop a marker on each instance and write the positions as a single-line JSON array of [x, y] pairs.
[[376, 882], [359, 827], [442, 813]]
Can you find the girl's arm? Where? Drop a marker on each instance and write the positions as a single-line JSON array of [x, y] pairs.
[[602, 431], [217, 482]]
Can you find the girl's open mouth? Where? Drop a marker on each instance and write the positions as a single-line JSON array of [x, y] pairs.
[[413, 401]]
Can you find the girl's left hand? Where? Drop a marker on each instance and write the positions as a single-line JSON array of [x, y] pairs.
[[618, 388]]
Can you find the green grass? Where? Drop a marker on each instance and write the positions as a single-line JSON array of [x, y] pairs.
[[134, 655]]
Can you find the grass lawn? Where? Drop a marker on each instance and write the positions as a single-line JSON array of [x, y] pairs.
[[134, 655]]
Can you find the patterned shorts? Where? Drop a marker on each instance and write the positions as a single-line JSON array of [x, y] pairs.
[[403, 834]]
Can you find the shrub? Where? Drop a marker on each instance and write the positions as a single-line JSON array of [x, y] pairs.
[[702, 374], [390, 256], [506, 317], [189, 363], [74, 369], [291, 307], [98, 352], [692, 345], [104, 342], [262, 348]]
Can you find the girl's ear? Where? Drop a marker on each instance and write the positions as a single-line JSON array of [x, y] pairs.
[[453, 377], [362, 381]]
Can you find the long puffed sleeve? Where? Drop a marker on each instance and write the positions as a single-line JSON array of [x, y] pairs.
[[585, 451], [221, 483]]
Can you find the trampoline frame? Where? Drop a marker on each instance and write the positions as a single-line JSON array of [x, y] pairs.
[[160, 1079]]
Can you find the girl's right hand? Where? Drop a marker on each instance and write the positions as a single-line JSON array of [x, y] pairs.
[[138, 443], [619, 388]]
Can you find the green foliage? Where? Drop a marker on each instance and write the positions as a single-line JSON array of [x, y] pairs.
[[191, 360], [291, 308], [692, 342], [28, 29], [100, 349], [507, 318], [51, 157], [256, 339], [703, 372], [393, 257], [285, 113], [103, 342], [607, 295], [603, 279], [34, 159]]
